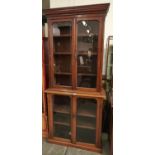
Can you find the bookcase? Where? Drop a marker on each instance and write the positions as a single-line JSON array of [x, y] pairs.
[[75, 97]]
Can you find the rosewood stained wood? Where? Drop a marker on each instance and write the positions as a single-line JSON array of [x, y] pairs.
[[75, 94]]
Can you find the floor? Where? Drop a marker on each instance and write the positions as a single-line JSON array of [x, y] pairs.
[[53, 149]]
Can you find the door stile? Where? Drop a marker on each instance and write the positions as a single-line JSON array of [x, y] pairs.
[[75, 52], [99, 122], [73, 118], [74, 57], [50, 114], [51, 59], [100, 54]]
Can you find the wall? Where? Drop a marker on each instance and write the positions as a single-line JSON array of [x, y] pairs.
[[109, 18]]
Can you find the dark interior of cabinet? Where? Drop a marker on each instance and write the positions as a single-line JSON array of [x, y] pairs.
[[62, 116], [62, 70], [90, 65], [61, 104], [86, 136], [63, 79], [65, 28], [62, 44], [86, 107], [86, 81], [62, 28], [86, 120], [62, 64], [62, 131]]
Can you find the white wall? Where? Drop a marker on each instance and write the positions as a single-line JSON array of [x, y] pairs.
[[109, 18]]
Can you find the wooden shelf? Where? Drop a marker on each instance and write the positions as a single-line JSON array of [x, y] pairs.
[[62, 35], [86, 35], [84, 125], [86, 53], [62, 73], [86, 113], [79, 74], [81, 122], [86, 74], [61, 123], [64, 109], [62, 53], [62, 119], [84, 66]]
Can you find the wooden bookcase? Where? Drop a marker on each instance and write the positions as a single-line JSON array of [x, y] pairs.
[[75, 96]]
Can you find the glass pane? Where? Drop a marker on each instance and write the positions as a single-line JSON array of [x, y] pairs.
[[62, 53], [87, 47], [86, 120], [62, 117]]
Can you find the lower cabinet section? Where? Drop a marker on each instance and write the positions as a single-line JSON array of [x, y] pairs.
[[75, 121]]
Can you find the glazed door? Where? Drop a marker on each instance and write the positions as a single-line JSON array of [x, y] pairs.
[[88, 51], [59, 107], [86, 120], [61, 52]]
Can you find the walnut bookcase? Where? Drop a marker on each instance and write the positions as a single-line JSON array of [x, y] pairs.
[[75, 96]]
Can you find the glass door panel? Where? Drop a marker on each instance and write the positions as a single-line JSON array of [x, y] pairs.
[[62, 116], [86, 120], [62, 41], [87, 51]]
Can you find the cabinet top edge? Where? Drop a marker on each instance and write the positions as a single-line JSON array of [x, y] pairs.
[[77, 10]]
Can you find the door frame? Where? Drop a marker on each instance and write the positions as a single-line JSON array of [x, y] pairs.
[[100, 19], [51, 51]]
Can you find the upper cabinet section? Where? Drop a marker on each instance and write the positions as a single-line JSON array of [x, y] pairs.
[[76, 46]]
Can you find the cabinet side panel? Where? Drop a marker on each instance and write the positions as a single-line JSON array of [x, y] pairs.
[[50, 114]]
